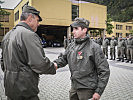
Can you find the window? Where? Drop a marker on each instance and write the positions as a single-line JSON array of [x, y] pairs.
[[6, 30], [127, 34], [119, 27], [1, 31], [118, 34], [16, 15], [128, 27], [6, 18], [25, 4], [1, 18], [75, 11]]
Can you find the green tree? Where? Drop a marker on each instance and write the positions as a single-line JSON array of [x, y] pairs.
[[3, 12], [109, 25], [131, 32]]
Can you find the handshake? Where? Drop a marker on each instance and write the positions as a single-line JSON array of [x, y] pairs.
[[55, 64]]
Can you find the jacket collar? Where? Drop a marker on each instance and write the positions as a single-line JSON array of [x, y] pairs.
[[81, 40], [24, 25]]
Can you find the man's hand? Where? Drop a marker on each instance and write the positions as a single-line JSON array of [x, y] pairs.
[[55, 64], [96, 96]]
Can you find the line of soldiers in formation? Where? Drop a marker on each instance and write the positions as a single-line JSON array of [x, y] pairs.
[[124, 47]]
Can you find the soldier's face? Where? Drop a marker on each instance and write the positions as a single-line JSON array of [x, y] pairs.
[[78, 32], [113, 38], [34, 23]]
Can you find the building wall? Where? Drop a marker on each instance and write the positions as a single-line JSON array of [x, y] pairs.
[[19, 8], [95, 13], [54, 12], [122, 30], [9, 24], [59, 12]]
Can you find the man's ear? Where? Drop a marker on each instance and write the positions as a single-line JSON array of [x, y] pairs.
[[85, 30], [29, 18]]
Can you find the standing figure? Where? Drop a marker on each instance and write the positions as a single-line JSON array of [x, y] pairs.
[[113, 44], [23, 58], [88, 66], [98, 40], [120, 49], [105, 46], [130, 49], [65, 42]]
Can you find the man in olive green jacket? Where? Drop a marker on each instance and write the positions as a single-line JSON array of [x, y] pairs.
[[120, 49], [113, 44], [88, 65], [105, 44], [130, 49], [23, 58]]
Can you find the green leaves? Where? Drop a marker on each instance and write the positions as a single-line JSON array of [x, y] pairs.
[[3, 12], [109, 25], [119, 10]]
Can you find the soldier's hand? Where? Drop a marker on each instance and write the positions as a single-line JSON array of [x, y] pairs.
[[96, 96], [55, 64]]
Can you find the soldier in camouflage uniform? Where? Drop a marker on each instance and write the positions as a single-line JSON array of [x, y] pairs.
[[105, 46], [120, 49], [113, 43], [98, 41], [130, 49]]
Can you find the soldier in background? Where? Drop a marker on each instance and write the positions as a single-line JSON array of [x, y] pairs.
[[113, 43], [65, 42], [92, 38], [105, 46], [120, 49], [98, 40], [125, 49], [130, 49]]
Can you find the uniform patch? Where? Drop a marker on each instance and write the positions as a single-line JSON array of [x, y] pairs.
[[79, 56]]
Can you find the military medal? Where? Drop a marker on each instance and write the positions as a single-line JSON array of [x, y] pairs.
[[79, 55]]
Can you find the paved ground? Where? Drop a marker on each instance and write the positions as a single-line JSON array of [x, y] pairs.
[[56, 87]]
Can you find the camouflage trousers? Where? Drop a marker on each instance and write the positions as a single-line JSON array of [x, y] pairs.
[[105, 51], [120, 52], [130, 54], [112, 53]]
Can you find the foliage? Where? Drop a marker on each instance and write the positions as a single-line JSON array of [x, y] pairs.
[[3, 12], [119, 10], [109, 25], [131, 32]]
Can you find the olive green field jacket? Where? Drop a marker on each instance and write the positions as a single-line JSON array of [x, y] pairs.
[[23, 59], [87, 63]]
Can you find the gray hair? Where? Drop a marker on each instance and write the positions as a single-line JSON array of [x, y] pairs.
[[24, 16]]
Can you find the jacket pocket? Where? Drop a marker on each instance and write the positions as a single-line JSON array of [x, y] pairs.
[[9, 83], [27, 83], [21, 84]]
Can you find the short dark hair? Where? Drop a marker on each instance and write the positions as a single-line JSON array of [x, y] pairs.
[[83, 28]]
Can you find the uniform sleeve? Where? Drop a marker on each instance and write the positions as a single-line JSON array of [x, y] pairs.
[[37, 60], [103, 70], [62, 59], [116, 42]]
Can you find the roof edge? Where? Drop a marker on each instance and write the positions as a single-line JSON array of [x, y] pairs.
[[18, 4]]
